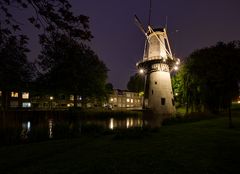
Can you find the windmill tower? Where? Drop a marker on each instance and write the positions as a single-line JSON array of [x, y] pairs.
[[157, 63]]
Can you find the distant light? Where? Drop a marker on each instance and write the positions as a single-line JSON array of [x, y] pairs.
[[14, 94], [26, 104], [111, 124], [25, 95], [176, 94], [28, 125], [238, 101], [127, 123], [178, 61], [51, 97], [175, 68], [141, 71]]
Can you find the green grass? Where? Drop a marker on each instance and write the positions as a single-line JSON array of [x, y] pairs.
[[206, 146]]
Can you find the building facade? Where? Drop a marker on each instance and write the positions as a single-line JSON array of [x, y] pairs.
[[122, 99], [118, 99]]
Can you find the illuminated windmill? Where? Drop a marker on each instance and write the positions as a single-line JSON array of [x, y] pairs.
[[156, 65]]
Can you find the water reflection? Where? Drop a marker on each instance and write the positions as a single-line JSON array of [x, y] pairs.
[[111, 124], [41, 127], [50, 128], [125, 123], [26, 128]]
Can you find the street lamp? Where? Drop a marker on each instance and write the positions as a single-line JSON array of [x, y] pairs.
[[141, 71], [51, 99]]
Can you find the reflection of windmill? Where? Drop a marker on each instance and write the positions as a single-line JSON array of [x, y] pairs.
[[157, 63]]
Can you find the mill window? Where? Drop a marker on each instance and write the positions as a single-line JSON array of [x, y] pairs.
[[163, 100]]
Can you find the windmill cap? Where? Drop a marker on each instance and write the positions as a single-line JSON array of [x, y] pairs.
[[156, 30]]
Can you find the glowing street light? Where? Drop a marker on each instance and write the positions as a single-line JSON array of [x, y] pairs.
[[141, 71], [175, 68]]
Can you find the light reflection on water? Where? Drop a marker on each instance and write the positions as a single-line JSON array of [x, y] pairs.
[[111, 123], [50, 128], [125, 123], [26, 128]]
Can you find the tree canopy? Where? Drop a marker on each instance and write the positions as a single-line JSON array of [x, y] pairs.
[[15, 70], [48, 15], [136, 83], [210, 77], [66, 64], [73, 68]]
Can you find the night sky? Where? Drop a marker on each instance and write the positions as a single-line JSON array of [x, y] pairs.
[[119, 43]]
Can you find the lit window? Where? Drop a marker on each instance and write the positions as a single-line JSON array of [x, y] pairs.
[[26, 104], [111, 99], [70, 105], [14, 94], [115, 99], [128, 99], [51, 97], [0, 93], [131, 100], [25, 95], [71, 97]]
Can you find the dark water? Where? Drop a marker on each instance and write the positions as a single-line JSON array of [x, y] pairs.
[[38, 126]]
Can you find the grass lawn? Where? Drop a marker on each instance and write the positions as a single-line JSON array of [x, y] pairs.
[[206, 146]]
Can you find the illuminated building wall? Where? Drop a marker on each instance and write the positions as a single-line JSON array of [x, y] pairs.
[[125, 99]]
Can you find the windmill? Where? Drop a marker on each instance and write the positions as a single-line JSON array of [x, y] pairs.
[[156, 65]]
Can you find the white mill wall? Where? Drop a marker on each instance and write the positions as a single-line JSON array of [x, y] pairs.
[[160, 95]]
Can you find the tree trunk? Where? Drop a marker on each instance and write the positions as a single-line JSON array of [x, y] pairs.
[[187, 105], [230, 124], [4, 100], [75, 101]]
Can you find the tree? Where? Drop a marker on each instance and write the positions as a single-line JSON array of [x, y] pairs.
[[71, 67], [15, 70], [109, 88], [211, 77], [136, 83], [48, 15]]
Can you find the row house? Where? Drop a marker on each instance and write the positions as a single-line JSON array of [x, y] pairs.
[[125, 99]]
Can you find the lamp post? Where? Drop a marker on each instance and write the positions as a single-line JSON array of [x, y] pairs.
[[51, 99]]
